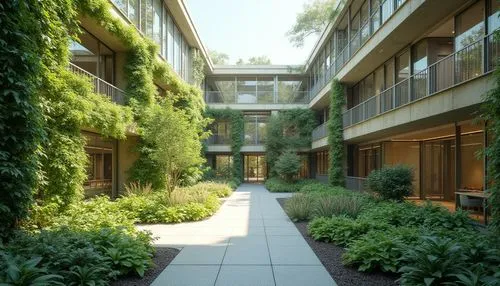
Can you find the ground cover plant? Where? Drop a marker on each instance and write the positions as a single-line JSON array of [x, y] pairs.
[[424, 244]]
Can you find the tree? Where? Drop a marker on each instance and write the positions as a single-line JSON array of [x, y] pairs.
[[177, 144], [312, 20], [260, 60], [218, 58], [288, 165]]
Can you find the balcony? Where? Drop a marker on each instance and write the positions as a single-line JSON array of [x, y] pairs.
[[319, 132], [379, 16], [256, 97], [115, 94], [216, 139], [474, 60]]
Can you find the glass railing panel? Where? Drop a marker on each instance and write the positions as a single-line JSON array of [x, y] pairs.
[[216, 139], [219, 97], [386, 100], [319, 132], [247, 97], [265, 97], [357, 114], [371, 107], [346, 118], [401, 93]]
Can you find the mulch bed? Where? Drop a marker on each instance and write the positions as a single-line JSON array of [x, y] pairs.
[[163, 257], [331, 257]]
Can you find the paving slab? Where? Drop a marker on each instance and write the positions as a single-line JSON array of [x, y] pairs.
[[245, 275], [302, 275], [249, 241]]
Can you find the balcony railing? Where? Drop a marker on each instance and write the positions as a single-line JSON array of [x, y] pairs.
[[380, 15], [257, 97], [468, 63], [100, 86], [216, 139], [319, 132]]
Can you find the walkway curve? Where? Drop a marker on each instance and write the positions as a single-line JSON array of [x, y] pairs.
[[249, 241]]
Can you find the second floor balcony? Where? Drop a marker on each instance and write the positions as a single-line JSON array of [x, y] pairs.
[[115, 94], [468, 63]]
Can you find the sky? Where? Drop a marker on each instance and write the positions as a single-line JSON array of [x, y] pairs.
[[248, 28]]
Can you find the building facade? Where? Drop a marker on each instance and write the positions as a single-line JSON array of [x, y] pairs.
[[413, 72]]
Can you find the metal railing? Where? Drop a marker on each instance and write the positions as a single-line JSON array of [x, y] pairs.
[[357, 184], [379, 16], [468, 63], [100, 86], [257, 97], [319, 132]]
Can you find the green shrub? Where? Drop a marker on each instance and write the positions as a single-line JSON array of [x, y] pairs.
[[299, 207], [221, 190], [78, 257], [391, 182], [341, 230], [328, 205], [471, 260], [317, 187], [287, 166], [18, 270], [381, 249], [409, 214], [277, 185]]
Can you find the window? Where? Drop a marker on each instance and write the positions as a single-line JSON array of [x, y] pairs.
[[177, 50], [322, 163], [402, 66], [223, 165], [170, 40], [419, 57], [164, 33], [469, 26], [133, 12], [379, 80], [255, 129], [493, 14], [221, 133], [157, 21]]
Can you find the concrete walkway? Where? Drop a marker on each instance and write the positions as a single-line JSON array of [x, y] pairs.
[[250, 241]]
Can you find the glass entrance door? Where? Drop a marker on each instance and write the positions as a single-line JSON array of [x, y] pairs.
[[438, 170], [255, 168]]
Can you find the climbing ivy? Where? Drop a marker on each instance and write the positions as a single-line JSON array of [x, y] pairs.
[[198, 67], [20, 110], [142, 70], [235, 117], [289, 130], [336, 135], [43, 109], [491, 113]]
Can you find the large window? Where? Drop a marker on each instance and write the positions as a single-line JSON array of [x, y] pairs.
[[157, 24], [493, 14], [221, 133], [255, 129], [100, 163], [223, 165], [469, 25], [322, 163]]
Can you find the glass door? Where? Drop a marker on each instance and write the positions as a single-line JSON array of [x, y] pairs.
[[255, 168], [438, 170]]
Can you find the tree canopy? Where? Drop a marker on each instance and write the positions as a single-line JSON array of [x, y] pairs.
[[218, 58], [260, 60], [312, 20]]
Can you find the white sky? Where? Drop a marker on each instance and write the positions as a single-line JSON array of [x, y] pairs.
[[247, 28]]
